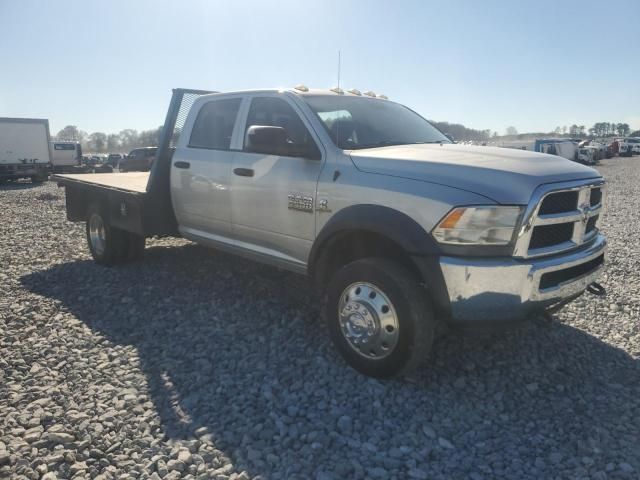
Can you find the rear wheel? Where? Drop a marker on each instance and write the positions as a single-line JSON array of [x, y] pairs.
[[135, 246], [39, 178], [379, 317], [108, 245]]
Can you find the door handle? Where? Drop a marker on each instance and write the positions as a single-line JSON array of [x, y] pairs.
[[244, 172], [181, 164]]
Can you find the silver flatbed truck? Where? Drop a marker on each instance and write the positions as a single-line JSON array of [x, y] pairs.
[[400, 228]]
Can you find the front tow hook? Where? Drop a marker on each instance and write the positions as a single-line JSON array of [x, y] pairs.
[[596, 289]]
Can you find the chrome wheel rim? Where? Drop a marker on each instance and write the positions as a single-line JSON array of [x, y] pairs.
[[97, 234], [368, 320]]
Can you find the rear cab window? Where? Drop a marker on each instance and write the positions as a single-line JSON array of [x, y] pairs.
[[214, 124]]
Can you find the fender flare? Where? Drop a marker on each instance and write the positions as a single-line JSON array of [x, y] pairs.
[[401, 229], [392, 224]]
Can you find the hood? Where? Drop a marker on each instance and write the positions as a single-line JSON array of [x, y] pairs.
[[504, 175]]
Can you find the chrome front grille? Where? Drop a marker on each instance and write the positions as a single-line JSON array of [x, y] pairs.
[[560, 219]]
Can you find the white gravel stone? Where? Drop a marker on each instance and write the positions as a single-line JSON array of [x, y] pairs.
[[221, 368]]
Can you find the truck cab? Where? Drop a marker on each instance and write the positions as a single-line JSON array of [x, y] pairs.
[[399, 228], [65, 155]]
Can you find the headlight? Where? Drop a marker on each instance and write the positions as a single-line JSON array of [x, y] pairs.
[[478, 226]]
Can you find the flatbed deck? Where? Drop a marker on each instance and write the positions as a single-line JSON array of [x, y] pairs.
[[132, 182]]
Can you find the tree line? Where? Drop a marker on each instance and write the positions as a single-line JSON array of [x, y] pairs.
[[599, 129], [461, 133], [100, 142], [128, 139]]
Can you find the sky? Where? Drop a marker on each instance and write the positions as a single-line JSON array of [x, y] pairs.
[[111, 64]]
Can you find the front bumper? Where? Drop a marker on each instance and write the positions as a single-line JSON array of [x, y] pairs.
[[499, 289]]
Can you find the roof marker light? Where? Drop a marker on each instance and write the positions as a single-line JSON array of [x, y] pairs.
[[301, 87], [337, 90], [370, 94], [354, 91]]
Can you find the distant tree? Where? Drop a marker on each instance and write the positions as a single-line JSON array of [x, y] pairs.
[[511, 131], [574, 130], [635, 133], [623, 129], [71, 132], [462, 133], [128, 139], [581, 129], [97, 141], [564, 130], [602, 129], [149, 138], [557, 130], [113, 142]]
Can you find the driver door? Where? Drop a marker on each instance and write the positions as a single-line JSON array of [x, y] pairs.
[[273, 196]]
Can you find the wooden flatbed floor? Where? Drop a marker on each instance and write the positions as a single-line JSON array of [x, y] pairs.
[[135, 182]]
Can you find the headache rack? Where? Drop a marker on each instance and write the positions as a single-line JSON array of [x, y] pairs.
[[560, 218], [137, 202], [159, 217]]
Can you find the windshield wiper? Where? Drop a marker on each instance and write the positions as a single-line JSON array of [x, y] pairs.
[[384, 143], [389, 143]]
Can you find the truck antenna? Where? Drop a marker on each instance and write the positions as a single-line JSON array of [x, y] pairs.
[[338, 69], [338, 123]]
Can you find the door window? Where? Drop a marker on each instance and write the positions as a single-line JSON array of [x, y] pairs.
[[275, 112], [214, 125]]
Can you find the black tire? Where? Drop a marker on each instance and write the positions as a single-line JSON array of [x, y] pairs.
[[38, 179], [104, 169], [135, 246], [413, 313], [114, 243]]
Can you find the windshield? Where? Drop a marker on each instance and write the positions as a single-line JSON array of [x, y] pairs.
[[360, 122]]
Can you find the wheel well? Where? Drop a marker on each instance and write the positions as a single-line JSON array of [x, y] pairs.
[[345, 247], [78, 202]]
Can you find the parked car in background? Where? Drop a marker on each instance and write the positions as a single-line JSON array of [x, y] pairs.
[[563, 147], [601, 149], [587, 155], [95, 160], [139, 160], [114, 159], [626, 147]]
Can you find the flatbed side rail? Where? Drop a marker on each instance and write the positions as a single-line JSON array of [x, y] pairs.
[[159, 216]]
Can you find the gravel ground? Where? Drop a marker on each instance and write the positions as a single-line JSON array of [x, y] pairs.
[[196, 364]]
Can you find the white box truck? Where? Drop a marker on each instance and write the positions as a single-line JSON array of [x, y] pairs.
[[66, 156], [24, 149]]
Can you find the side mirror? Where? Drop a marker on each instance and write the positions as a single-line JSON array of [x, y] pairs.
[[266, 139], [273, 141]]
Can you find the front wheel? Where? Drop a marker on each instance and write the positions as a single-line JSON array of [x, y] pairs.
[[379, 317]]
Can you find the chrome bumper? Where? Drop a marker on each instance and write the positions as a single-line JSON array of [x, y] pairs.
[[504, 289]]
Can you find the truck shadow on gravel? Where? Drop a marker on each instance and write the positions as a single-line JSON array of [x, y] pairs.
[[19, 185], [238, 348]]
